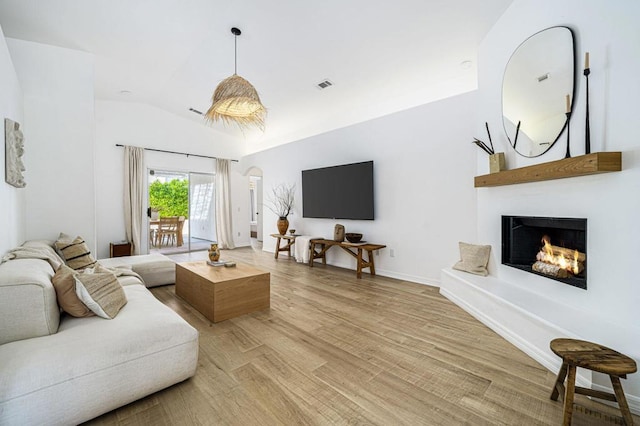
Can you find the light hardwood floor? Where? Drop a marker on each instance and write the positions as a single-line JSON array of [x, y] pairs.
[[337, 350]]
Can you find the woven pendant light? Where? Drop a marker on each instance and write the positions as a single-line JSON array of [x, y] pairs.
[[236, 100]]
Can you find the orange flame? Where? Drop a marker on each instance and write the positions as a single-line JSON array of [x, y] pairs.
[[547, 255]]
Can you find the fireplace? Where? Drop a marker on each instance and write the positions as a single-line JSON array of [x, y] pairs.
[[554, 248]]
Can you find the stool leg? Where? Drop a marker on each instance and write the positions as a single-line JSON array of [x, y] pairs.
[[622, 401], [568, 395], [558, 387]]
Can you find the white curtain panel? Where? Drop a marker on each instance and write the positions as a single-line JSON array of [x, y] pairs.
[[224, 230], [134, 192]]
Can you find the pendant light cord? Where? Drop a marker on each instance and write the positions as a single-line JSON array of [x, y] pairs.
[[236, 32]]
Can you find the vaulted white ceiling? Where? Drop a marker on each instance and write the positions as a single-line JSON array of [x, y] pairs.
[[381, 56]]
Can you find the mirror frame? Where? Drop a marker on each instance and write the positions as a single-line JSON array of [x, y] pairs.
[[573, 89]]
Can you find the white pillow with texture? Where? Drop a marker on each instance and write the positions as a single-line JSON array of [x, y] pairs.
[[100, 292], [473, 258]]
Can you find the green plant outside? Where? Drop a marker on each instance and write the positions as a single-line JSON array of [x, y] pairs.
[[170, 198]]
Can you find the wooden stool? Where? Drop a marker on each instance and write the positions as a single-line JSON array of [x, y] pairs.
[[578, 353], [290, 240]]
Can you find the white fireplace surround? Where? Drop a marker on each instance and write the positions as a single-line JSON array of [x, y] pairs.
[[531, 310]]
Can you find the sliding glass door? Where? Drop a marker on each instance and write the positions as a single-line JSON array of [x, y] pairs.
[[202, 222], [181, 214]]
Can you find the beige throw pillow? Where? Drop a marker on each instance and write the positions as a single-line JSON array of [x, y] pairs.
[[75, 252], [65, 285], [473, 258], [100, 290]]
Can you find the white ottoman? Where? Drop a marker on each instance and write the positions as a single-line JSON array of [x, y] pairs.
[[155, 269]]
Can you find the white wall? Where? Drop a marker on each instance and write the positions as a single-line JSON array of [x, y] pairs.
[[610, 202], [423, 176], [146, 126], [12, 200], [57, 85]]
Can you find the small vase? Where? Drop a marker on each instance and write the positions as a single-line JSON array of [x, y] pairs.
[[283, 225], [496, 162], [214, 252]]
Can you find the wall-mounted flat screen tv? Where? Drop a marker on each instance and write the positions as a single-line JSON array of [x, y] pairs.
[[339, 192]]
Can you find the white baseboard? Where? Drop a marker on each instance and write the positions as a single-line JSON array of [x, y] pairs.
[[390, 274], [506, 313], [406, 277], [550, 361]]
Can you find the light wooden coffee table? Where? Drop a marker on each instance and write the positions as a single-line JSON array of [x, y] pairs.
[[219, 292]]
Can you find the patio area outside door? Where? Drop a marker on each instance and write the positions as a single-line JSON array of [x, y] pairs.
[[181, 214]]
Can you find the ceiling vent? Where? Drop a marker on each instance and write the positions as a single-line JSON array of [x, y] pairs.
[[543, 77], [195, 110], [324, 84]]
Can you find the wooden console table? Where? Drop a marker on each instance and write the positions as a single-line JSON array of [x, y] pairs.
[[354, 249], [290, 239]]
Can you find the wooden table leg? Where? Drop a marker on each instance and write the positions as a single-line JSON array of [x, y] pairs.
[[558, 387], [277, 246], [312, 253], [622, 400], [568, 395], [359, 260], [372, 266]]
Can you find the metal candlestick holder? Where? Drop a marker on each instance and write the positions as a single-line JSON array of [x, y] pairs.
[[568, 154], [587, 130]]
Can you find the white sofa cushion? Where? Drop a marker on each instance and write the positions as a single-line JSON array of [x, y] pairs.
[[155, 269], [28, 306], [99, 365]]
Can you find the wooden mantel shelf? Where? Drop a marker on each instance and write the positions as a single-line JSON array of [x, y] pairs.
[[590, 164]]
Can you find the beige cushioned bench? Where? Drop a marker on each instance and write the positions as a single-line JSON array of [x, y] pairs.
[[155, 269]]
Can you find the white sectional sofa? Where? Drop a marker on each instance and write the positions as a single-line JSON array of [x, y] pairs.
[[57, 369]]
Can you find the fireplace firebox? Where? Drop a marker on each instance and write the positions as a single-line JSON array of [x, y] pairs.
[[554, 248]]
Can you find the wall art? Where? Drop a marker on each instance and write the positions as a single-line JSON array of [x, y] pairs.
[[14, 149]]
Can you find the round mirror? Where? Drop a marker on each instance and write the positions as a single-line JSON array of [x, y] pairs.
[[538, 77]]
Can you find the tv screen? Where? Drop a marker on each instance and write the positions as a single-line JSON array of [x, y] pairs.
[[339, 192]]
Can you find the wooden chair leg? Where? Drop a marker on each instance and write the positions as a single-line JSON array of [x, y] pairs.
[[622, 400], [568, 395], [558, 387]]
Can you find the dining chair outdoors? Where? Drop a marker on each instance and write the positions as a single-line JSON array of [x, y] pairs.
[[167, 232]]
